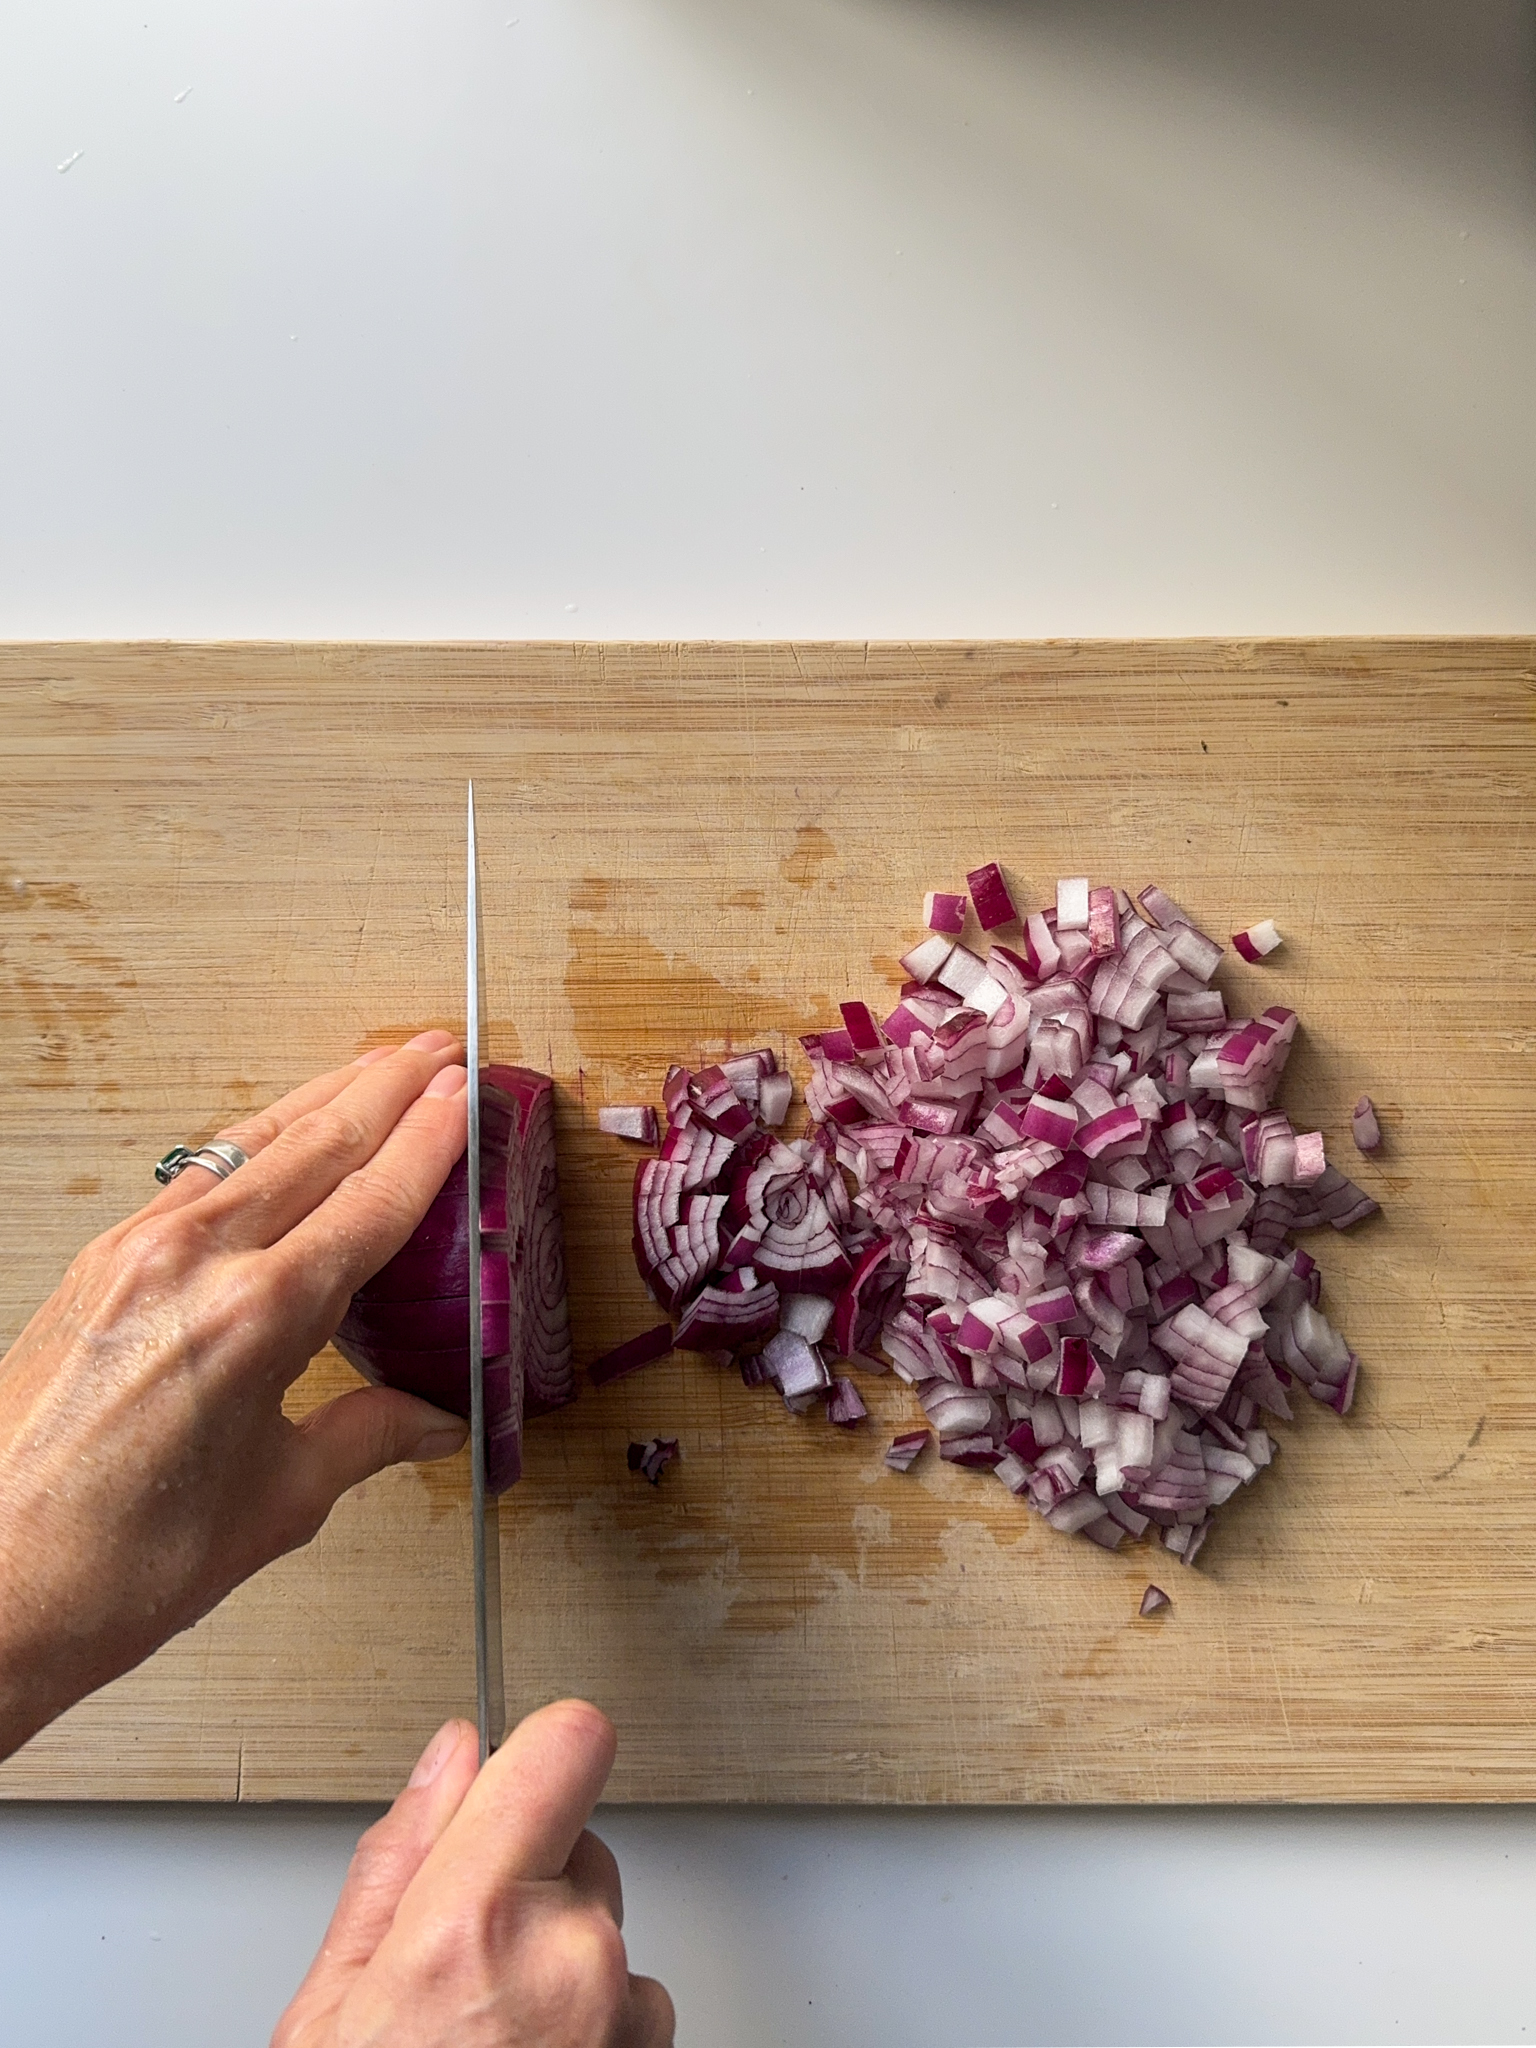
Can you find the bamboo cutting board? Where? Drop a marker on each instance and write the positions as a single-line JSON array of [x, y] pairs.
[[224, 868]]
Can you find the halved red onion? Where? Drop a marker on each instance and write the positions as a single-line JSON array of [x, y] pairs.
[[408, 1327]]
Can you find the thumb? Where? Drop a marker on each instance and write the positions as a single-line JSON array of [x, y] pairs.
[[360, 1433], [386, 1859]]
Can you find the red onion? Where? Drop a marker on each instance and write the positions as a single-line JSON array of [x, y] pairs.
[[1072, 904], [408, 1327], [1367, 1130], [625, 1358], [904, 1449], [844, 1404], [1050, 1192], [1152, 1600], [989, 893], [631, 1122], [653, 1458], [944, 913], [1257, 941]]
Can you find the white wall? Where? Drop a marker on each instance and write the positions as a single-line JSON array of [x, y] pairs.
[[800, 317], [794, 317]]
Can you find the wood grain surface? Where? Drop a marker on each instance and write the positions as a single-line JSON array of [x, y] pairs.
[[222, 868]]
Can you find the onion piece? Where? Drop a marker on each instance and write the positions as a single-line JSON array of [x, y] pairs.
[[1072, 904], [653, 1458], [1153, 1600], [1366, 1128], [631, 1121], [844, 1406], [944, 913], [630, 1356], [925, 960], [903, 1450], [989, 893], [1258, 941], [774, 1095]]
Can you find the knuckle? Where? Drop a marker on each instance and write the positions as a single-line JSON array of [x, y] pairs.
[[378, 1859], [593, 1961], [253, 1133], [337, 1135], [655, 2013], [157, 1252]]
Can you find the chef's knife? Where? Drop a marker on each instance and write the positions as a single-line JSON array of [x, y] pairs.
[[490, 1692]]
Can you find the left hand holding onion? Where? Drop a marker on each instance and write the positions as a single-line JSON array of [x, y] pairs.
[[146, 1466]]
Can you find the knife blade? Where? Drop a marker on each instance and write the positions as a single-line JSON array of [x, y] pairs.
[[490, 1689]]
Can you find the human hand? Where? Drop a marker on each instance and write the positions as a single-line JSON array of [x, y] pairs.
[[479, 1913], [146, 1466]]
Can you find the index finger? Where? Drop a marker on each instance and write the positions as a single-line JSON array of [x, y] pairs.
[[253, 1134], [527, 1810]]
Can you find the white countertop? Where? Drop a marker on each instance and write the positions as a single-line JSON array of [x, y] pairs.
[[720, 318]]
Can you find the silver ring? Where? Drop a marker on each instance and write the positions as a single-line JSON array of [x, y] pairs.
[[220, 1158]]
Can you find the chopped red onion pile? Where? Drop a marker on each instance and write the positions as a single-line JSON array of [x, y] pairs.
[[653, 1458], [1048, 1190]]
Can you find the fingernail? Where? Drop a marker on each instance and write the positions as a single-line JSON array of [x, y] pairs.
[[439, 1443], [380, 1052], [429, 1041], [436, 1754], [451, 1081]]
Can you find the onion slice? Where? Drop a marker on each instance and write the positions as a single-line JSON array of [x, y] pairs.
[[626, 1358]]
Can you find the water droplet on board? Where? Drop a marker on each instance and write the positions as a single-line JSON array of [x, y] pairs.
[[179, 97], [70, 160]]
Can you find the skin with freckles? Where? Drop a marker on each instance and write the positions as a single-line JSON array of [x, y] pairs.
[[146, 1468]]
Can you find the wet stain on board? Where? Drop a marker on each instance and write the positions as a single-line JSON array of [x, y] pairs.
[[812, 850], [17, 893]]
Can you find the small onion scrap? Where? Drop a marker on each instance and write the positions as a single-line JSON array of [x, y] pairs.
[[1049, 1190], [637, 1121], [1364, 1125], [1153, 1600], [652, 1459], [1258, 941]]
